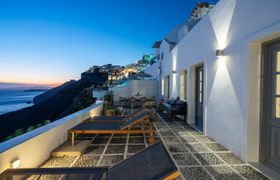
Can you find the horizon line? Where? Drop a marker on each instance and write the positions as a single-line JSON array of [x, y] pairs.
[[32, 84]]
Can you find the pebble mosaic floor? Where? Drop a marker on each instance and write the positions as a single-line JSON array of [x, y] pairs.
[[196, 156]]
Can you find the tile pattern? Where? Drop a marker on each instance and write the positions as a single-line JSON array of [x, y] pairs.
[[58, 162], [196, 155], [204, 158], [87, 161], [195, 173]]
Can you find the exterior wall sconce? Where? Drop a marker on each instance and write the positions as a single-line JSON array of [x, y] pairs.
[[173, 72], [219, 52], [15, 164]]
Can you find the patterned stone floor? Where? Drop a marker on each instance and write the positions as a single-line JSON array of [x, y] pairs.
[[199, 157], [196, 156]]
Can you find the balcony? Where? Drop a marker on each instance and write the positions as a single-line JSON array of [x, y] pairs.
[[195, 155], [35, 147]]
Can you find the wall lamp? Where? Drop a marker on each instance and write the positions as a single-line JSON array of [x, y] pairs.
[[219, 52]]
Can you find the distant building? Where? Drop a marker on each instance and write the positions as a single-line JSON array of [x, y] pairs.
[[156, 47], [97, 77], [181, 30], [130, 70]]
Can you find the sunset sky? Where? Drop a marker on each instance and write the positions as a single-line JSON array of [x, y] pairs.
[[52, 41]]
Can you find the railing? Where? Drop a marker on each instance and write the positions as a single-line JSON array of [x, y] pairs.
[[34, 147]]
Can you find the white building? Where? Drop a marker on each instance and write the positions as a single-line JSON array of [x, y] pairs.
[[234, 95]]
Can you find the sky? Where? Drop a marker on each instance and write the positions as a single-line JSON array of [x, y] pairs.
[[53, 41]]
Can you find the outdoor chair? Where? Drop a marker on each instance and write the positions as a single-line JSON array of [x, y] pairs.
[[153, 102], [153, 162], [175, 107], [114, 127], [122, 101], [143, 101], [116, 118], [138, 103], [127, 102], [132, 103]]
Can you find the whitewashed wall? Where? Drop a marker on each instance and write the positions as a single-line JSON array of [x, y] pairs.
[[34, 148], [153, 70], [226, 27], [144, 87], [181, 33]]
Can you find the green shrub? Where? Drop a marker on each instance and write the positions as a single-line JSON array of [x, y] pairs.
[[30, 128], [8, 137], [19, 131], [46, 122], [39, 125]]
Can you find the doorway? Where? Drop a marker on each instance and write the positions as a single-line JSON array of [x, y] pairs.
[[167, 87], [270, 126], [199, 71]]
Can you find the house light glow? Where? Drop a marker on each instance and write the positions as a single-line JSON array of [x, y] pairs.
[[221, 27], [15, 164], [174, 72]]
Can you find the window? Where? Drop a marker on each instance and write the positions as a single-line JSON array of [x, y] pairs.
[[162, 86], [161, 55], [277, 86], [183, 85], [166, 87]]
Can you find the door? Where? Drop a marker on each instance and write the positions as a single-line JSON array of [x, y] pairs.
[[199, 98], [167, 79], [271, 107]]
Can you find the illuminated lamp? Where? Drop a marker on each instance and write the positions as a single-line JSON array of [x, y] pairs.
[[219, 52], [15, 164]]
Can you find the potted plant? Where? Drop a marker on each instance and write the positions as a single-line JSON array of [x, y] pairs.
[[109, 108], [110, 111]]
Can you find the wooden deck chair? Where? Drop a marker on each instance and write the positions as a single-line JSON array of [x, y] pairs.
[[116, 118], [114, 127], [153, 162]]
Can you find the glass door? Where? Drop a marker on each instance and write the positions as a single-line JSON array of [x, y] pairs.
[[199, 98]]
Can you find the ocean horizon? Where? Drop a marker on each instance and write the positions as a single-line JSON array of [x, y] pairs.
[[16, 99]]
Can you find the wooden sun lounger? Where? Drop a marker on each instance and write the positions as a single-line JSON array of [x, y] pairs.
[[153, 162], [116, 117], [114, 127]]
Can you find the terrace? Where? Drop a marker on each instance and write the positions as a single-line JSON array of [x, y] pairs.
[[195, 155]]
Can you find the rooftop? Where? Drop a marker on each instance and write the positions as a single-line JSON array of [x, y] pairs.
[[157, 44]]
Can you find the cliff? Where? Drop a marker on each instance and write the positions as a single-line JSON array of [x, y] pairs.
[[52, 92], [62, 101]]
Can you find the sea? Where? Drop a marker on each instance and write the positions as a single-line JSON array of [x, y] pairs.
[[16, 99]]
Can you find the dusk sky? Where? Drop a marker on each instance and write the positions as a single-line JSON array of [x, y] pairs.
[[53, 41]]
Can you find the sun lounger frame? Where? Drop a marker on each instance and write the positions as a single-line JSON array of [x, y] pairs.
[[66, 171], [72, 133]]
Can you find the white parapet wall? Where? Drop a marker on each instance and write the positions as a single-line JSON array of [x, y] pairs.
[[147, 88], [34, 148]]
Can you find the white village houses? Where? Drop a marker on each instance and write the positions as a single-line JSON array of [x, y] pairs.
[[227, 69]]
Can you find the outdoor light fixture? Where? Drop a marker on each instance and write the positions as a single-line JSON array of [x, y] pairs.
[[219, 52], [173, 72], [15, 164]]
